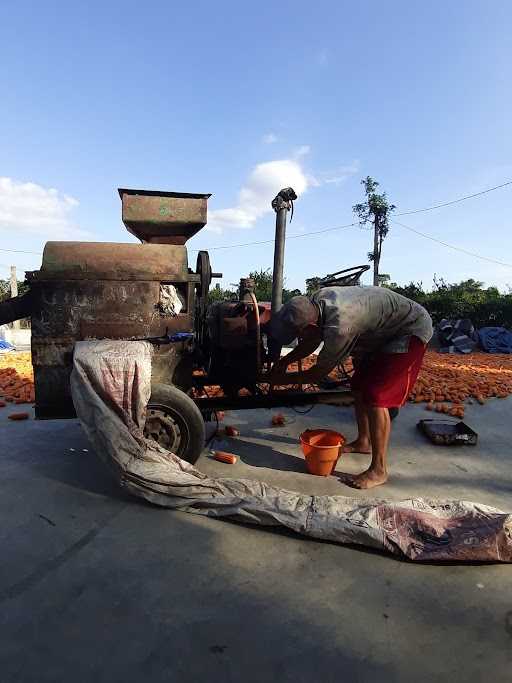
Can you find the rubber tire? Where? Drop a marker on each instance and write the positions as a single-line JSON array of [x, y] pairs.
[[169, 396]]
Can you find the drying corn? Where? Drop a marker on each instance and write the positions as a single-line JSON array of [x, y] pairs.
[[16, 378], [446, 382]]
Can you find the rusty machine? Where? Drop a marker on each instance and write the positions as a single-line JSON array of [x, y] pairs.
[[90, 290]]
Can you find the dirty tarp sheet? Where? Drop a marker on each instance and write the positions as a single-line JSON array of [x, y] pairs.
[[111, 384]]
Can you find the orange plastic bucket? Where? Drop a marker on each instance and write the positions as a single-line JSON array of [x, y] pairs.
[[321, 448]]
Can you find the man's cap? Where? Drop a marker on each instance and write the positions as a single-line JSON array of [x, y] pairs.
[[285, 325]]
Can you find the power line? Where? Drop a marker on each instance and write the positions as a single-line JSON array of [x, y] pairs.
[[340, 227], [291, 237], [4, 266], [404, 213], [228, 246], [18, 251], [452, 246], [455, 201]]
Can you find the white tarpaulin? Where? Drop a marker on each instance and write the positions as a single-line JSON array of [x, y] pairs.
[[111, 386]]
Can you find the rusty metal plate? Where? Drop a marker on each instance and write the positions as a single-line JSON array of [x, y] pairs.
[[163, 217], [99, 329], [52, 351], [112, 261], [61, 307]]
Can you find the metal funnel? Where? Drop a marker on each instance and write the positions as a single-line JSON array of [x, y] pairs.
[[163, 217]]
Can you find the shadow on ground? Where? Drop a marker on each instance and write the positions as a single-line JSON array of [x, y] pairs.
[[99, 586]]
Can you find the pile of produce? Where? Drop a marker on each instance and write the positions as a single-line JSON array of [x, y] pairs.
[[16, 378], [447, 381], [445, 384]]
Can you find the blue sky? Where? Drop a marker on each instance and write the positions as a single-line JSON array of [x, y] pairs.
[[239, 99]]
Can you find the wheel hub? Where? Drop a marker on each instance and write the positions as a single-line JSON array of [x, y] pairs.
[[162, 428]]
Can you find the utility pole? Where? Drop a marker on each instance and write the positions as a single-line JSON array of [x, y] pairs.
[[376, 255], [14, 292]]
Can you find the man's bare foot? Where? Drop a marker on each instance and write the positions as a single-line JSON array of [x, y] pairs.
[[358, 446], [367, 480]]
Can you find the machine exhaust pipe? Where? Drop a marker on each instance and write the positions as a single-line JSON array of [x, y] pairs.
[[281, 204]]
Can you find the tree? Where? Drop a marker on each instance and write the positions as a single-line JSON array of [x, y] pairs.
[[262, 289], [263, 286], [312, 285], [5, 289], [216, 293], [376, 210], [466, 299], [414, 291], [290, 293]]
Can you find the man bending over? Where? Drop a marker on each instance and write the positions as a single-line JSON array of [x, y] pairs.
[[385, 333]]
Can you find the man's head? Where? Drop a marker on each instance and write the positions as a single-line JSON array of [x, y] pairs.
[[297, 318]]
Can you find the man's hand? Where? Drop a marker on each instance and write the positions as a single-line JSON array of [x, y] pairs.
[[304, 348], [312, 375], [280, 366], [278, 373]]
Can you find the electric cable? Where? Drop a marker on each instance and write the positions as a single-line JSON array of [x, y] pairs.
[[452, 246], [455, 201], [19, 251], [288, 237], [350, 225], [303, 412]]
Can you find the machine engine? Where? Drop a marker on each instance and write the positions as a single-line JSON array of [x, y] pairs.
[[233, 344]]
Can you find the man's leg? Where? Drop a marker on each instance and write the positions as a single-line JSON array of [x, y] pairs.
[[362, 443], [377, 473]]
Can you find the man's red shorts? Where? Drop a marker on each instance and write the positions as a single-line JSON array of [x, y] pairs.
[[385, 379]]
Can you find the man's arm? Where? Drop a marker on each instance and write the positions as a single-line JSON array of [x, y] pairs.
[[310, 376], [304, 348], [337, 346]]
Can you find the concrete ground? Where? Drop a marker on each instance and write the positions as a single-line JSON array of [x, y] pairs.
[[97, 586]]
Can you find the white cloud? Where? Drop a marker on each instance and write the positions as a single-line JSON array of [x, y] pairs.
[[302, 151], [322, 57], [337, 175], [31, 208], [313, 180], [269, 139], [255, 197], [265, 181]]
